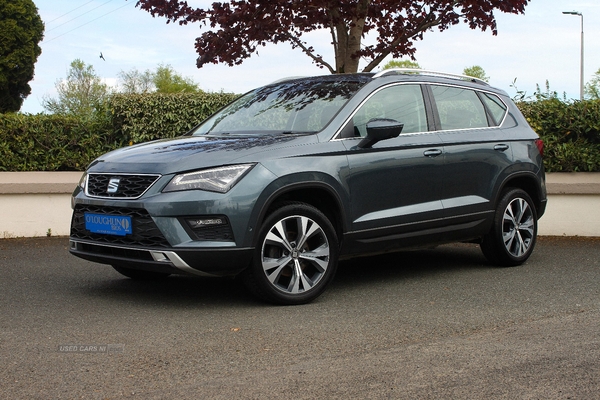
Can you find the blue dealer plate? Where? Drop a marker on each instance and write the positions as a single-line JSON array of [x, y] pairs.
[[119, 225]]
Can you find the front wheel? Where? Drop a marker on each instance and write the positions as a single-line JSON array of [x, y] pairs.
[[296, 256], [512, 238]]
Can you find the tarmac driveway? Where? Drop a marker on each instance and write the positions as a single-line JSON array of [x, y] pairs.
[[431, 324]]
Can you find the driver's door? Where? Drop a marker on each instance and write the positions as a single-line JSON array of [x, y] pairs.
[[395, 186]]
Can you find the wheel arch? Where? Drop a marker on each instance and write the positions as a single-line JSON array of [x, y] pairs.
[[317, 194], [528, 182]]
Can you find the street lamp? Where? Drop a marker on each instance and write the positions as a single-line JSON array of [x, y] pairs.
[[581, 62]]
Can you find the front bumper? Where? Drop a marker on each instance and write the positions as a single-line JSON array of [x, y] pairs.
[[190, 261], [163, 239], [160, 244]]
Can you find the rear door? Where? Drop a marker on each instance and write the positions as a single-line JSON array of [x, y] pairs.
[[476, 152]]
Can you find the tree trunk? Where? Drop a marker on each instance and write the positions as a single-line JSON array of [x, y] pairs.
[[347, 40]]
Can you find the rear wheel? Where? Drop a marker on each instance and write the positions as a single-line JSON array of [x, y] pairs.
[[512, 238], [139, 274], [296, 256]]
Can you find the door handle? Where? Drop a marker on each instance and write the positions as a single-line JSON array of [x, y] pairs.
[[432, 153], [501, 147]]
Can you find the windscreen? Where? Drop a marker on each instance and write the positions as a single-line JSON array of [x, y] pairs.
[[301, 106]]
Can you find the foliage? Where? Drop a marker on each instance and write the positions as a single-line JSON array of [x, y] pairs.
[[134, 81], [81, 94], [402, 64], [52, 142], [238, 28], [143, 117], [21, 30], [68, 142], [476, 72], [592, 88], [164, 80], [570, 131]]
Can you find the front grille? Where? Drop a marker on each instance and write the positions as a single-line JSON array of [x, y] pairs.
[[122, 186], [145, 233]]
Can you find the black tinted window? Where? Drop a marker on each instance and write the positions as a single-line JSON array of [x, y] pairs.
[[403, 103], [459, 108], [495, 106]]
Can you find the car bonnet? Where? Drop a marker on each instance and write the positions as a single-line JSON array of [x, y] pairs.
[[194, 152]]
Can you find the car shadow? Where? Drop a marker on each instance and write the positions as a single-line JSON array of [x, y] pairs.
[[190, 291], [411, 264], [173, 291]]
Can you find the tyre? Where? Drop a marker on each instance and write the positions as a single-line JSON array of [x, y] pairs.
[[512, 238], [139, 274], [296, 256]]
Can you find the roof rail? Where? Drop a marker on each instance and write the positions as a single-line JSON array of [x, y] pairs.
[[415, 71]]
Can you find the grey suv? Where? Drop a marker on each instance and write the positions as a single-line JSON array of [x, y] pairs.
[[282, 183]]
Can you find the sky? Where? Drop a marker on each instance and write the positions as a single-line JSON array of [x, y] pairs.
[[541, 45]]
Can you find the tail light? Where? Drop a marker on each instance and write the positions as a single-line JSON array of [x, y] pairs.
[[540, 145]]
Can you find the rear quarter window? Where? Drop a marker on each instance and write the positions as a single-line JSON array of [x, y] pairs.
[[495, 106]]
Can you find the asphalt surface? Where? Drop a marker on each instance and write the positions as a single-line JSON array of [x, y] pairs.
[[430, 324]]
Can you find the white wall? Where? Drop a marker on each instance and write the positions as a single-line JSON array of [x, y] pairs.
[[30, 215], [37, 203]]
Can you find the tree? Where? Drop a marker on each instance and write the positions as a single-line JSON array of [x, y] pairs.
[[135, 81], [476, 72], [81, 93], [166, 80], [402, 64], [238, 28], [592, 88], [163, 80], [21, 30]]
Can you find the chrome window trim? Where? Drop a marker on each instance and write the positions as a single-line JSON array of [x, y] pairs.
[[336, 137], [339, 131]]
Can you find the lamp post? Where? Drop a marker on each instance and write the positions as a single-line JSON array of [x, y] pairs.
[[581, 62]]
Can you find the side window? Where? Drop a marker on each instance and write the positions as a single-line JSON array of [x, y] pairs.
[[459, 108], [403, 103], [495, 106]]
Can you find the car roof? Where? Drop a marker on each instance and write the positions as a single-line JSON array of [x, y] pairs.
[[397, 74]]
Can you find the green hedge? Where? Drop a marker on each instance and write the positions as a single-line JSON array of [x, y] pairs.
[[52, 142], [570, 130], [64, 143], [143, 117]]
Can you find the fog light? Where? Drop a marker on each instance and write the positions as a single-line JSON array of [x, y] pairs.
[[199, 223], [208, 228]]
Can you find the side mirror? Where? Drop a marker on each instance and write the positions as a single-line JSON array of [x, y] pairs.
[[380, 129]]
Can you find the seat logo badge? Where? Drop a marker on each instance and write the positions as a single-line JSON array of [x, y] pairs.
[[113, 185]]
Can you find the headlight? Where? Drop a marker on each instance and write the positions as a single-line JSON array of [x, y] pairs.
[[81, 183], [213, 180]]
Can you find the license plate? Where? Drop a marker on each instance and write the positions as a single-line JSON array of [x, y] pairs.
[[119, 225]]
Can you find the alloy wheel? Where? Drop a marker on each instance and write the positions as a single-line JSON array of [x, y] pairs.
[[518, 227], [295, 254]]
